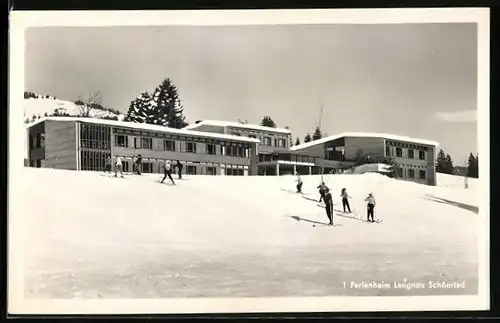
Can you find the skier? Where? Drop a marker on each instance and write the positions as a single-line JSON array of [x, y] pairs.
[[108, 164], [138, 164], [118, 166], [329, 205], [168, 172], [345, 200], [322, 187], [179, 168], [370, 207], [299, 183]]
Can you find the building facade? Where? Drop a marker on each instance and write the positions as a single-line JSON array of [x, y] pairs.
[[221, 148], [412, 158], [86, 143]]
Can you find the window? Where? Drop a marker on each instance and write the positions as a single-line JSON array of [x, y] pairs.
[[399, 152], [191, 170], [252, 136], [411, 173], [147, 167], [421, 155], [169, 145], [191, 147], [267, 141], [125, 166], [234, 151], [93, 160], [146, 143], [38, 163], [237, 134], [400, 172], [422, 174], [42, 140], [281, 143], [411, 154], [211, 170], [210, 149], [387, 151], [241, 172]]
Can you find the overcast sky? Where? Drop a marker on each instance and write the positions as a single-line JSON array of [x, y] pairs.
[[417, 80]]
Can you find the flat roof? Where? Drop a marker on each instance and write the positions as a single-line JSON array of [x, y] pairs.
[[238, 125], [145, 126], [364, 135]]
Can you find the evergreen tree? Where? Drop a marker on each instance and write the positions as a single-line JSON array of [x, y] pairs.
[[317, 134], [441, 162], [472, 170], [140, 109], [268, 122], [297, 142], [166, 107], [449, 165], [307, 138]]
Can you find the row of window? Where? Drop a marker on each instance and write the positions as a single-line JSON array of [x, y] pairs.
[[266, 141], [285, 157], [189, 147], [411, 173], [410, 153]]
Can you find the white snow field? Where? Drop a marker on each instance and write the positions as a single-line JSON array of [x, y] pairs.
[[93, 236]]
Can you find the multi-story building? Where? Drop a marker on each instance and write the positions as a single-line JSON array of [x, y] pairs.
[[221, 148], [85, 143], [414, 159]]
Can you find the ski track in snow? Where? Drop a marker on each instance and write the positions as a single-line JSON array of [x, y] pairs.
[[222, 236]]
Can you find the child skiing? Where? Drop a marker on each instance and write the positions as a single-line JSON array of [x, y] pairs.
[[299, 183], [345, 200], [322, 188], [370, 207], [329, 206], [118, 166], [168, 172]]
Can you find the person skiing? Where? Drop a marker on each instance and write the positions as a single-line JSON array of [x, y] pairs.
[[179, 169], [322, 187], [138, 164], [370, 207], [108, 164], [345, 200], [118, 166], [168, 172], [299, 183], [329, 205]]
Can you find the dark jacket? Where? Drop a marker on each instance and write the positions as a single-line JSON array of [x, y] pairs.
[[328, 198]]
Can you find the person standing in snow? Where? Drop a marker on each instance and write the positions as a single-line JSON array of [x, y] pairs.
[[179, 169], [345, 200], [108, 164], [370, 207], [168, 172], [138, 164], [299, 183], [329, 206], [322, 188], [118, 166]]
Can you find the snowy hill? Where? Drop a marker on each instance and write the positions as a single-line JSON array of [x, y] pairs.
[[41, 106], [225, 236]]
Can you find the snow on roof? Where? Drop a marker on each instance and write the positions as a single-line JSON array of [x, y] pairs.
[[364, 134], [237, 125], [145, 126]]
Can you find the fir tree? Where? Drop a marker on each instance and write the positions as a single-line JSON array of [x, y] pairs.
[[140, 109], [317, 134], [268, 122], [449, 165], [472, 170], [166, 107], [307, 138], [297, 141]]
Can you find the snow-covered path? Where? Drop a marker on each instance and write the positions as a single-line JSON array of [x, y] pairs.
[[87, 235]]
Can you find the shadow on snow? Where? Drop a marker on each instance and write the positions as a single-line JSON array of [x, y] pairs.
[[464, 206]]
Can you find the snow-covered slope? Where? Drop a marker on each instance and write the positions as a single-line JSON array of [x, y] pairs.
[[42, 106], [224, 236]]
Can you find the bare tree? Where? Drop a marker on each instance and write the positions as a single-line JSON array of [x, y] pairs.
[[93, 100]]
